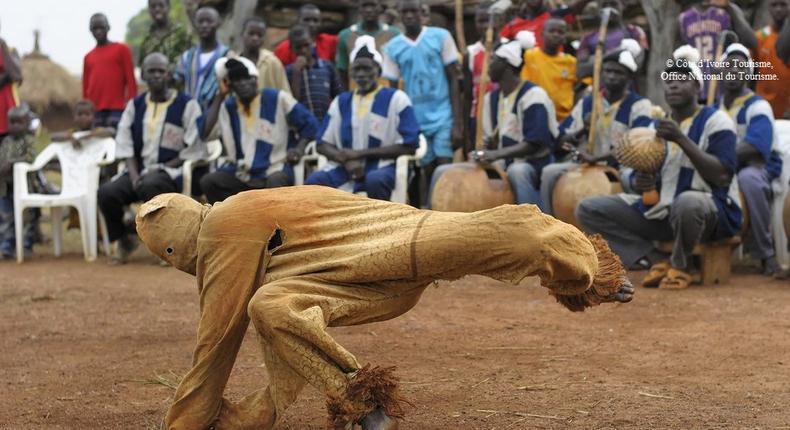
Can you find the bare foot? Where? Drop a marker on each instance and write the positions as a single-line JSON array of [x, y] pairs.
[[378, 420]]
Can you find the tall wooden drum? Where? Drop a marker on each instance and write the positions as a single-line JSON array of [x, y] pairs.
[[469, 187], [580, 183]]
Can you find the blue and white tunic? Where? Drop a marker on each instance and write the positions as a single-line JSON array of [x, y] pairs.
[[527, 114], [384, 117], [754, 125], [157, 132], [713, 132], [613, 123], [256, 140]]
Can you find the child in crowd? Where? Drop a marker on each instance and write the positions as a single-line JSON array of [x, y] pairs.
[[314, 81], [15, 147]]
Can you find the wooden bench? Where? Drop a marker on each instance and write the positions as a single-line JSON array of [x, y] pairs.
[[716, 258]]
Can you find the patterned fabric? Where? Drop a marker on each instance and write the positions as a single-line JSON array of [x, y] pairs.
[[172, 43], [615, 119], [319, 84], [714, 132], [421, 64], [294, 261], [476, 55], [155, 133], [754, 125], [199, 80], [13, 149], [256, 140], [525, 115]]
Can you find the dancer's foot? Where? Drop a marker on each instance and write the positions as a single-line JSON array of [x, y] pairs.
[[378, 420]]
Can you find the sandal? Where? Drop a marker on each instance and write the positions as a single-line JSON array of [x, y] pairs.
[[657, 272], [676, 279]]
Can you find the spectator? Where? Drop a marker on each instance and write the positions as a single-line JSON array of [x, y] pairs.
[[10, 75], [473, 68], [314, 82], [155, 131], [362, 155], [758, 162], [702, 24], [769, 41], [617, 30], [195, 71], [534, 14], [271, 73], [519, 123], [621, 110], [698, 198], [254, 126], [552, 69], [15, 147], [325, 44], [164, 35], [426, 58], [370, 25], [107, 75]]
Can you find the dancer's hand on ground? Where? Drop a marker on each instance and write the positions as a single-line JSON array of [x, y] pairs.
[[624, 295]]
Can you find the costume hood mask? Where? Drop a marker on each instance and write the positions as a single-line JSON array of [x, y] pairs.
[[169, 225]]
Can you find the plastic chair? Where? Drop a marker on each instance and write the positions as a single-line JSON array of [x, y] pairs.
[[780, 189], [214, 149], [80, 169], [311, 155], [400, 192]]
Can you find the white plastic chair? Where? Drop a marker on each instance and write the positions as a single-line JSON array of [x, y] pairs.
[[80, 170], [214, 150], [400, 192], [780, 189], [311, 155]]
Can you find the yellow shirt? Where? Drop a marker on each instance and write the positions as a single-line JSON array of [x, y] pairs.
[[555, 74]]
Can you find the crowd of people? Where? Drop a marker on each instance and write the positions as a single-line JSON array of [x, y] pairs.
[[368, 94]]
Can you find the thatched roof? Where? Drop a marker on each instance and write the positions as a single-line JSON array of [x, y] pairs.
[[46, 83]]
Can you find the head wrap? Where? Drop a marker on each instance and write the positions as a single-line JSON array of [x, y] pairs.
[[625, 54], [513, 51], [365, 47], [690, 58], [235, 68], [169, 225], [738, 49]]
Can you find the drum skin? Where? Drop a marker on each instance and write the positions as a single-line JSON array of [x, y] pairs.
[[580, 183], [470, 187]]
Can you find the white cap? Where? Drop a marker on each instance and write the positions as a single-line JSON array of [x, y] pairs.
[[222, 70], [365, 41]]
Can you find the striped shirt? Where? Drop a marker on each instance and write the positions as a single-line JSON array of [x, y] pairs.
[[317, 87]]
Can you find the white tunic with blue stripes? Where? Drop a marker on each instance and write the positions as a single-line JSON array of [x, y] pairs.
[[256, 142], [529, 117], [714, 132], [615, 120], [754, 125]]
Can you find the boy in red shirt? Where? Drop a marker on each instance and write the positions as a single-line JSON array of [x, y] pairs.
[[325, 44], [107, 75]]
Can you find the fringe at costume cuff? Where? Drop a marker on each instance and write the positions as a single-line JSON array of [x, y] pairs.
[[369, 389], [611, 275]]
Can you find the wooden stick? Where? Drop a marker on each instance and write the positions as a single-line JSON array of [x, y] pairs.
[[481, 90], [656, 396], [596, 107], [459, 25]]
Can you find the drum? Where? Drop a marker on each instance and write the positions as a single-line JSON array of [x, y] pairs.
[[580, 183], [469, 187]]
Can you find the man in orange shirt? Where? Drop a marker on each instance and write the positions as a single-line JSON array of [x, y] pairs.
[[552, 69], [773, 45]]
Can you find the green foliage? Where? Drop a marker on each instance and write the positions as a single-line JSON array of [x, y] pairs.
[[138, 26]]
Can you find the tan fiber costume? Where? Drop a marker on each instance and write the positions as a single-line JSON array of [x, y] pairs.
[[297, 260]]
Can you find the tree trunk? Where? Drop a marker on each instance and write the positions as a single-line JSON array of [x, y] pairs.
[[662, 16], [230, 30]]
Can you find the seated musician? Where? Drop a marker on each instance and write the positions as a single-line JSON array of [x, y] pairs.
[[365, 130], [758, 162], [519, 123], [698, 194], [621, 110]]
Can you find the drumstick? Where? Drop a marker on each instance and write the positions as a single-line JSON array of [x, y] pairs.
[[719, 50], [596, 107], [459, 25]]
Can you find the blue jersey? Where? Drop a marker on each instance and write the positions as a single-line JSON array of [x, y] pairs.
[[420, 63]]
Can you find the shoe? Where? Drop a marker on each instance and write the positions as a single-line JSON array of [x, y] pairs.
[[675, 279], [657, 272], [642, 264], [126, 246], [771, 267], [378, 420]]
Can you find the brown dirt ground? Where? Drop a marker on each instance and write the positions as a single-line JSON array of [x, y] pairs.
[[77, 339]]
